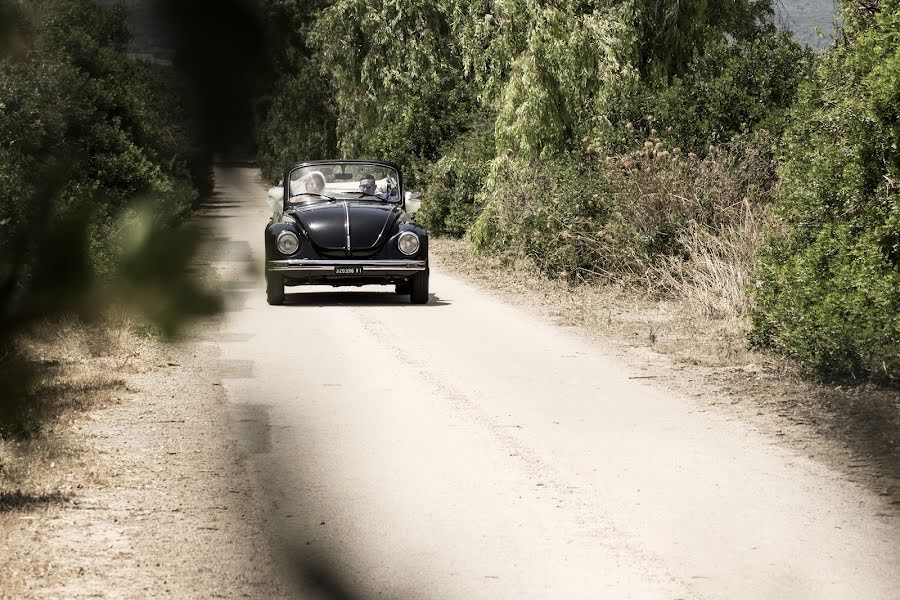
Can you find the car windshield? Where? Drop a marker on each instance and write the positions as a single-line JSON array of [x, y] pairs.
[[342, 181]]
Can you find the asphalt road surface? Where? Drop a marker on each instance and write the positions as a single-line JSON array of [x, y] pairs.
[[469, 449]]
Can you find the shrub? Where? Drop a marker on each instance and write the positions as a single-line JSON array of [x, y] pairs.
[[728, 89], [397, 79], [828, 291], [683, 225], [84, 133], [544, 211], [298, 123], [660, 194], [453, 182], [78, 112], [568, 64]]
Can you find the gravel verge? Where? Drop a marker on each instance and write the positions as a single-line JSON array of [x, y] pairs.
[[137, 492]]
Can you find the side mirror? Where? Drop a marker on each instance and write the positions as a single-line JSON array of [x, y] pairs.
[[413, 202], [275, 196]]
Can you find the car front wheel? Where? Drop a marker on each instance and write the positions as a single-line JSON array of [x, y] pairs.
[[418, 288], [274, 289]]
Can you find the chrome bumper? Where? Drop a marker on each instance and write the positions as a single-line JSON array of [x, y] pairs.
[[325, 267]]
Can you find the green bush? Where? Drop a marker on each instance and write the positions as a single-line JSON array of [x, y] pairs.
[[828, 291], [77, 112], [454, 181], [550, 211], [298, 120], [399, 92], [553, 71], [584, 218], [85, 132], [728, 89], [298, 123]]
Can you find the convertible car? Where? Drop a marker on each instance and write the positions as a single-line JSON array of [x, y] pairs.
[[345, 223]]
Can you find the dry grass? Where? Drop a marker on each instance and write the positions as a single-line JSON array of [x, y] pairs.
[[52, 376], [718, 207], [118, 498], [613, 308], [116, 336], [715, 274]]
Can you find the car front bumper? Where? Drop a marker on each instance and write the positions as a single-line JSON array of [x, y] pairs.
[[304, 268]]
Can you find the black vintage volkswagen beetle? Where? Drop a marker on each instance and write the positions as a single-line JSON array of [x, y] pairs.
[[344, 222]]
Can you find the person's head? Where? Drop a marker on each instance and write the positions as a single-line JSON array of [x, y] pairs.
[[367, 184], [316, 183]]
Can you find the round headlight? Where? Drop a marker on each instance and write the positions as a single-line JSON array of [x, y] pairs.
[[408, 242], [287, 242]]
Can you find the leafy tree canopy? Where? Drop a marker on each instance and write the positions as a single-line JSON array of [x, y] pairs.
[[829, 284]]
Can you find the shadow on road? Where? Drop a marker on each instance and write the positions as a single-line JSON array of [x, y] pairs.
[[10, 501], [360, 298]]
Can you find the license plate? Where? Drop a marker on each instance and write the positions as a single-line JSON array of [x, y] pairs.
[[348, 270]]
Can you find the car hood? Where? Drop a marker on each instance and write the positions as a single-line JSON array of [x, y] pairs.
[[368, 224]]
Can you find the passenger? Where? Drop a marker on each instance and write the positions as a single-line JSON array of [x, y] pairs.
[[316, 183], [311, 183]]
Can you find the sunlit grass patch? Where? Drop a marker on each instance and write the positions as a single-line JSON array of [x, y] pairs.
[[63, 365]]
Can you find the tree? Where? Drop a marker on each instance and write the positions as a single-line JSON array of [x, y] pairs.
[[85, 132], [829, 284]]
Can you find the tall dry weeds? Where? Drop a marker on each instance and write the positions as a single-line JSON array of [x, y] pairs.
[[699, 221], [715, 273]]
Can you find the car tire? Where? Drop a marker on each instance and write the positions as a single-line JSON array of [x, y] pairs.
[[418, 288], [402, 288], [274, 289]]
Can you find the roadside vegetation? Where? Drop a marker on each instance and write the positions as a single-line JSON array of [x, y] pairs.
[[97, 171], [690, 149], [828, 284]]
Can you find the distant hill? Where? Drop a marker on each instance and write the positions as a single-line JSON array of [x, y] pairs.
[[803, 16]]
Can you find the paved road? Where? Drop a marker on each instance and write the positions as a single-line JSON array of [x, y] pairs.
[[467, 449]]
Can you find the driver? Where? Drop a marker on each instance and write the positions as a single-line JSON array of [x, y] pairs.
[[383, 189], [367, 184]]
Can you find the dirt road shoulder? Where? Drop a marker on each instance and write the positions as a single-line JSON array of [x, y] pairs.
[[138, 493]]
